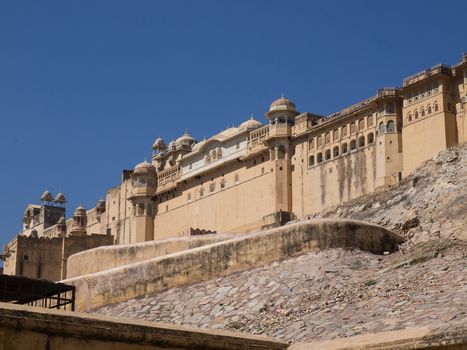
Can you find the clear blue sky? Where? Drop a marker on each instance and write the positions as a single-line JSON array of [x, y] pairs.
[[86, 86]]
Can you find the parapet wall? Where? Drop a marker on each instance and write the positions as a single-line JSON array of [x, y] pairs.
[[25, 327], [108, 257], [44, 257], [204, 263]]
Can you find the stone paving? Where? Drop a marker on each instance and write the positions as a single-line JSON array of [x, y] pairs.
[[321, 295]]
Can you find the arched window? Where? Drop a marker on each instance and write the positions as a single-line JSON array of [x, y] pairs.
[[140, 209], [281, 152], [311, 144], [371, 138], [327, 138], [189, 197], [381, 128], [320, 141], [311, 161], [353, 128], [327, 154], [429, 109], [236, 179], [335, 135], [391, 126], [422, 111], [390, 108], [416, 114], [353, 145], [361, 141], [212, 187], [361, 124], [335, 152], [319, 158], [344, 131], [435, 105], [344, 148], [409, 117], [369, 121]]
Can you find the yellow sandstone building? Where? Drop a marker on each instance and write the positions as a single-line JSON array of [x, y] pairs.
[[260, 175]]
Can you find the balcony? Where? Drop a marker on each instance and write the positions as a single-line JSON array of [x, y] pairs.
[[280, 130], [142, 190], [388, 92], [169, 175], [258, 136]]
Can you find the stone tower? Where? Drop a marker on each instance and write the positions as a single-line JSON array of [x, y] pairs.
[[144, 187], [281, 116], [388, 137], [79, 222]]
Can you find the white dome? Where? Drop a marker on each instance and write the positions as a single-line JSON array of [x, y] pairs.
[[250, 124], [185, 140], [282, 104], [144, 168]]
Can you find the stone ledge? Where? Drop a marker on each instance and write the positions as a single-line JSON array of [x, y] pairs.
[[28, 327]]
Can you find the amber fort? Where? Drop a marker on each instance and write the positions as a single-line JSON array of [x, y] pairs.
[[260, 174], [291, 231]]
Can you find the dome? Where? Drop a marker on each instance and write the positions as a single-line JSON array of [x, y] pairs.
[[171, 145], [80, 211], [46, 196], [144, 168], [185, 140], [282, 104], [250, 124], [60, 198], [226, 133], [101, 203], [158, 144], [197, 146]]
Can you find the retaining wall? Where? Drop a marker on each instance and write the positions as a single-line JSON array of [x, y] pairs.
[[30, 328], [104, 258], [208, 262]]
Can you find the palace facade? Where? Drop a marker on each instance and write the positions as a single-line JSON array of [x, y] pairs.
[[293, 165]]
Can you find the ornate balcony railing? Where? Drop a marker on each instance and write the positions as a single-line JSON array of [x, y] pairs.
[[257, 136], [169, 175]]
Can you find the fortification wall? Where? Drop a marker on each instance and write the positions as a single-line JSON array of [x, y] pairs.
[[204, 263], [333, 182], [46, 257], [24, 327], [224, 208], [108, 257]]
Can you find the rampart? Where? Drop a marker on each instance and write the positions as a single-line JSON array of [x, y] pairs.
[[107, 257], [26, 328], [223, 258]]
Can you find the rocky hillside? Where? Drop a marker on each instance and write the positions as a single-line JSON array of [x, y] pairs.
[[429, 204], [335, 293], [322, 295]]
